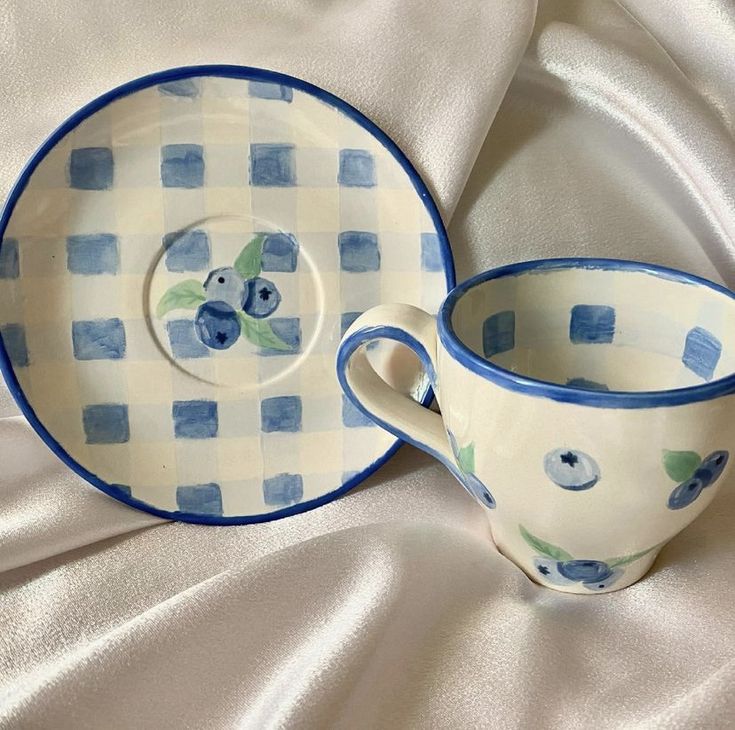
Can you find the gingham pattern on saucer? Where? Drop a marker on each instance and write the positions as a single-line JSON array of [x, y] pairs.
[[162, 186]]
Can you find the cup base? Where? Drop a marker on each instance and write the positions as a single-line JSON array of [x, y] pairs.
[[580, 576], [629, 575]]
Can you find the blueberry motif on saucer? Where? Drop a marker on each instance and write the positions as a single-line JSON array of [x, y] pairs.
[[693, 474], [232, 301], [261, 297], [556, 566]]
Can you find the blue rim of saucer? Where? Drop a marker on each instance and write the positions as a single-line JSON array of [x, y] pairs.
[[566, 393], [247, 73]]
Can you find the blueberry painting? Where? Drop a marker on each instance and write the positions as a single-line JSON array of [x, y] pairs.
[[233, 301], [558, 567], [465, 458], [571, 469], [261, 297], [693, 474], [225, 285], [217, 325]]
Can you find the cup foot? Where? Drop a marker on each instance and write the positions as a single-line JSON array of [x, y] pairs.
[[551, 574], [553, 567]]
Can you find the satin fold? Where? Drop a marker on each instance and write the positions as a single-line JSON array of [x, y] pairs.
[[578, 128]]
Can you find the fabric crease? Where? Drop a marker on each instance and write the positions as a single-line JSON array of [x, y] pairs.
[[587, 128]]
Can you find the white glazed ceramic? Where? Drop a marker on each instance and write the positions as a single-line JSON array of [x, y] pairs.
[[586, 403], [178, 264]]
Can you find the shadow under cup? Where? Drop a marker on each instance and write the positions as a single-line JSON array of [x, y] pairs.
[[607, 327]]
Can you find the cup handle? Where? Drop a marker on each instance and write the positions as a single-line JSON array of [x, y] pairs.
[[394, 411]]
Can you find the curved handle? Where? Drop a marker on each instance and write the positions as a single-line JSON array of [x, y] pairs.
[[394, 411]]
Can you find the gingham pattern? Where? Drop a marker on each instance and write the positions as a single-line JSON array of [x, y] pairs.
[[626, 330], [223, 117]]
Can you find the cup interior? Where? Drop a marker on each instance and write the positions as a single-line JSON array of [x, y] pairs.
[[600, 325]]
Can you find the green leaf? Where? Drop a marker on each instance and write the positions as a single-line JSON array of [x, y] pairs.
[[466, 458], [187, 294], [615, 562], [545, 548], [680, 465], [260, 333], [247, 264]]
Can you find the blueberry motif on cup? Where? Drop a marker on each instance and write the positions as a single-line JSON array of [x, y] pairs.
[[558, 567], [232, 301], [571, 469], [465, 458], [693, 474]]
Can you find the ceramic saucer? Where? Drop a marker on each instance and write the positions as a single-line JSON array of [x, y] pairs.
[[178, 263]]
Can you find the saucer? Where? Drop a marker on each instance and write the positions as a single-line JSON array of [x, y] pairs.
[[178, 263]]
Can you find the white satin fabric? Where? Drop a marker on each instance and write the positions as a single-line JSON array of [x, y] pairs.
[[585, 127]]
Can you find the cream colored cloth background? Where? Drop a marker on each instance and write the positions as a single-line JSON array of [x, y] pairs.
[[576, 128]]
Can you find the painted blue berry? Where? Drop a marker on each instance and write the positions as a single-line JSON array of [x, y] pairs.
[[585, 571], [548, 571], [479, 490], [261, 297], [217, 325], [686, 493], [599, 585], [225, 285], [594, 575], [571, 469], [704, 475], [712, 467]]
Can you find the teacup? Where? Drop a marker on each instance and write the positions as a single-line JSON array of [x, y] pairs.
[[587, 404]]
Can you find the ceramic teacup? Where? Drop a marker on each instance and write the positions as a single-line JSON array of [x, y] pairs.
[[586, 403]]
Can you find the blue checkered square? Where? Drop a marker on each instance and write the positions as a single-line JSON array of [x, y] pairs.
[[280, 253], [14, 339], [592, 323], [353, 417], [499, 333], [283, 490], [264, 90], [9, 260], [187, 250], [182, 166], [188, 88], [358, 251], [702, 351], [106, 423], [346, 321], [98, 339], [91, 168], [272, 165], [92, 254], [356, 169], [184, 341], [195, 419], [281, 413], [288, 329], [431, 256], [200, 499]]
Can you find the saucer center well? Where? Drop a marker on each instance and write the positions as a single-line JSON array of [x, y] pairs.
[[234, 301]]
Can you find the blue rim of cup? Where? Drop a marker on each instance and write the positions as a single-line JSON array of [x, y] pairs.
[[246, 73], [566, 393]]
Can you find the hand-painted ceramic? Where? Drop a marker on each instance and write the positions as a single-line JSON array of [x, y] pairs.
[[588, 404], [178, 263]]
